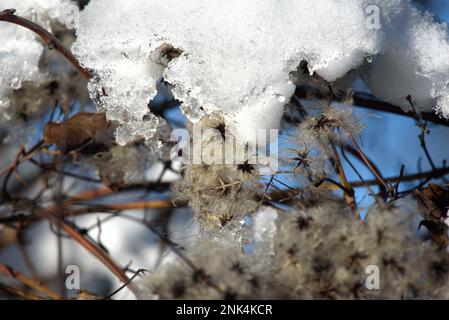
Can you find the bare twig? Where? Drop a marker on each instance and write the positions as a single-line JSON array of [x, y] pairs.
[[30, 282], [349, 193], [372, 168], [21, 157], [422, 125], [137, 273], [20, 293], [367, 101], [433, 174], [90, 246], [353, 167], [50, 40], [396, 186]]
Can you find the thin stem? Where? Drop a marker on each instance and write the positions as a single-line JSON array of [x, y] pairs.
[[367, 101], [50, 40], [428, 175], [17, 292], [30, 282], [374, 170], [137, 273], [353, 167], [349, 193], [90, 246], [423, 131]]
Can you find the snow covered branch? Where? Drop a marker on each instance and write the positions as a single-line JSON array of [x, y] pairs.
[[8, 15]]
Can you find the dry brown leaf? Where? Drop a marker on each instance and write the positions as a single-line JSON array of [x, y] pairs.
[[77, 131], [435, 201]]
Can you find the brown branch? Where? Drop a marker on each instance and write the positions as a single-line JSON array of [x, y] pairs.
[[356, 154], [50, 40], [18, 292], [90, 246], [89, 195], [21, 156], [30, 282], [423, 132], [27, 220], [152, 204], [348, 191], [280, 195], [434, 174], [367, 162], [369, 102]]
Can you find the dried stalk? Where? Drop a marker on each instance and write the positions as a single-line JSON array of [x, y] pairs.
[[30, 282], [50, 40]]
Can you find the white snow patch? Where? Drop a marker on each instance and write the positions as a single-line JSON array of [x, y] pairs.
[[236, 56], [20, 51], [265, 229]]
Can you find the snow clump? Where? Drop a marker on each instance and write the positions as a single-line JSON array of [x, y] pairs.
[[237, 56], [21, 49]]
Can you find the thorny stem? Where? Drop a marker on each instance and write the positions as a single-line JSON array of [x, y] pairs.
[[50, 40]]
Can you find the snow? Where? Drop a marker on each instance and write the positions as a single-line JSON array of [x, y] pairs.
[[158, 172], [20, 51], [265, 230], [415, 61], [237, 56]]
